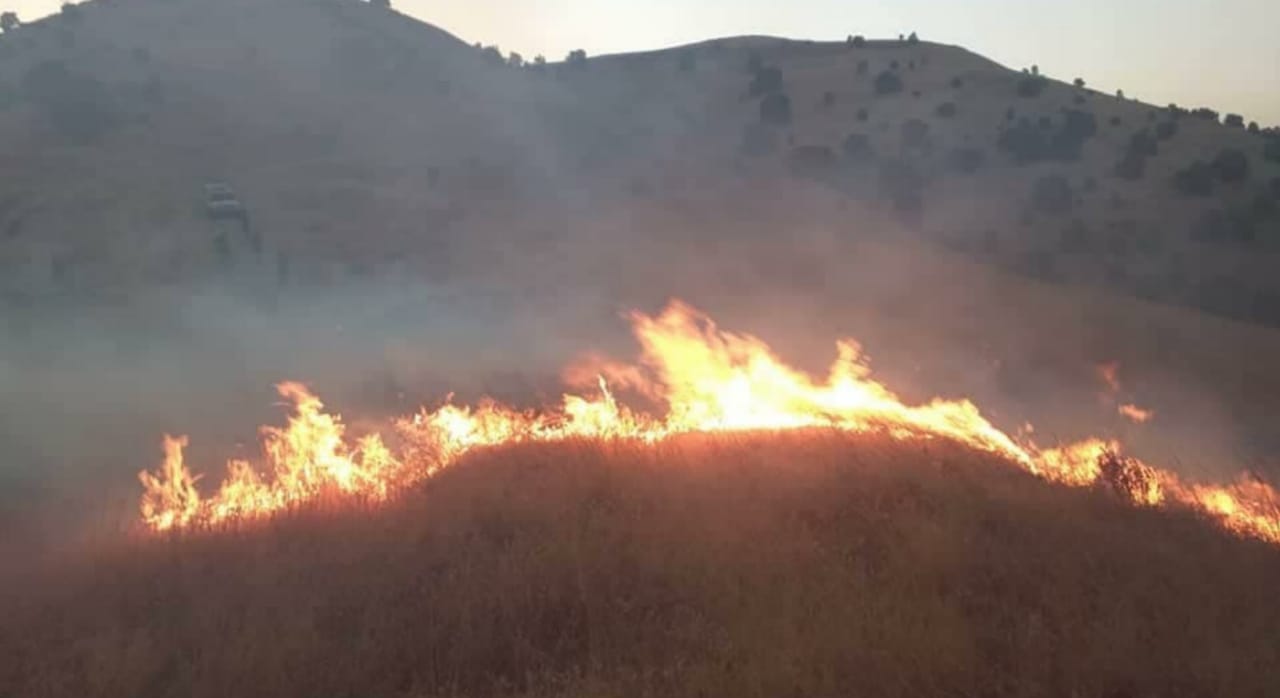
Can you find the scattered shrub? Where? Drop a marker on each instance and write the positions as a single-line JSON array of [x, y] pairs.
[[9, 21], [862, 114], [1031, 86], [1166, 130], [957, 83], [915, 133], [1052, 195], [1079, 83], [1234, 121], [1143, 144], [1254, 128], [1206, 113], [965, 160], [916, 94], [812, 161], [858, 41], [947, 110], [888, 83], [1114, 121], [758, 140], [1231, 165], [577, 58], [776, 109], [913, 39], [1132, 166], [766, 81], [77, 106], [857, 148], [1195, 179], [1271, 151], [902, 185], [1078, 100]]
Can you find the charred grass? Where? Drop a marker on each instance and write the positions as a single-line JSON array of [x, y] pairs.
[[807, 564]]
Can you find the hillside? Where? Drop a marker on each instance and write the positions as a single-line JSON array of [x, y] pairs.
[[366, 143], [806, 563]]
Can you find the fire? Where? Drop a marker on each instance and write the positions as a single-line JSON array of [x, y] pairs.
[[1135, 414], [708, 380]]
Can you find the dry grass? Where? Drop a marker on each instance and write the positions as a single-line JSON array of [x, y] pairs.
[[802, 564]]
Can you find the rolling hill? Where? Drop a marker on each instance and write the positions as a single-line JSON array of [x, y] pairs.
[[365, 141]]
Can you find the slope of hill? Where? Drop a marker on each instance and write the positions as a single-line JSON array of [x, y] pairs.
[[367, 142], [800, 564]]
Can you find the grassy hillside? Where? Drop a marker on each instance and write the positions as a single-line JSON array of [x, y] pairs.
[[797, 564], [367, 143]]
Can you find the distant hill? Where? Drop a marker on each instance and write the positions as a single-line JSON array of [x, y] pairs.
[[365, 142]]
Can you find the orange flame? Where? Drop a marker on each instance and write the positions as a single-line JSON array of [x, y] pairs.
[[1135, 414], [709, 381]]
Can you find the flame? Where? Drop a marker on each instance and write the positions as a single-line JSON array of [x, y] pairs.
[[1135, 414], [708, 380], [1109, 373]]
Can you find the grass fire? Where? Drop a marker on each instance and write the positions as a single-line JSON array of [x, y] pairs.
[[708, 381]]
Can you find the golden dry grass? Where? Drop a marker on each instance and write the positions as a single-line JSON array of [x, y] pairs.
[[798, 564]]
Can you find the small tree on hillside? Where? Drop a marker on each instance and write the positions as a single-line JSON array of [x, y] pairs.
[[913, 39], [9, 21], [1234, 121], [858, 41], [1079, 82], [887, 83], [577, 58], [515, 60]]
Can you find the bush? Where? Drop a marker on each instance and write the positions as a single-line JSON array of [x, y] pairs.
[[1254, 128], [9, 21], [1079, 83], [915, 133], [1052, 195], [1234, 121], [1131, 167], [887, 83], [766, 81], [902, 185], [1271, 151], [1115, 121], [913, 39], [1206, 113], [1195, 179], [858, 41], [1231, 165], [758, 140], [862, 114], [77, 106], [1166, 130], [775, 109], [577, 58], [1143, 144], [957, 83], [812, 161], [965, 160], [857, 148], [947, 110], [1031, 86]]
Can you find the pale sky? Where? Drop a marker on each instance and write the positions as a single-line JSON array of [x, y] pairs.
[[1223, 54]]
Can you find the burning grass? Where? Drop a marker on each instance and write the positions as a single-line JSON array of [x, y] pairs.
[[798, 563]]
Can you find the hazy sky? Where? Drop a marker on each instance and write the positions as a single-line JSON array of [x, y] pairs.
[[1223, 54]]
